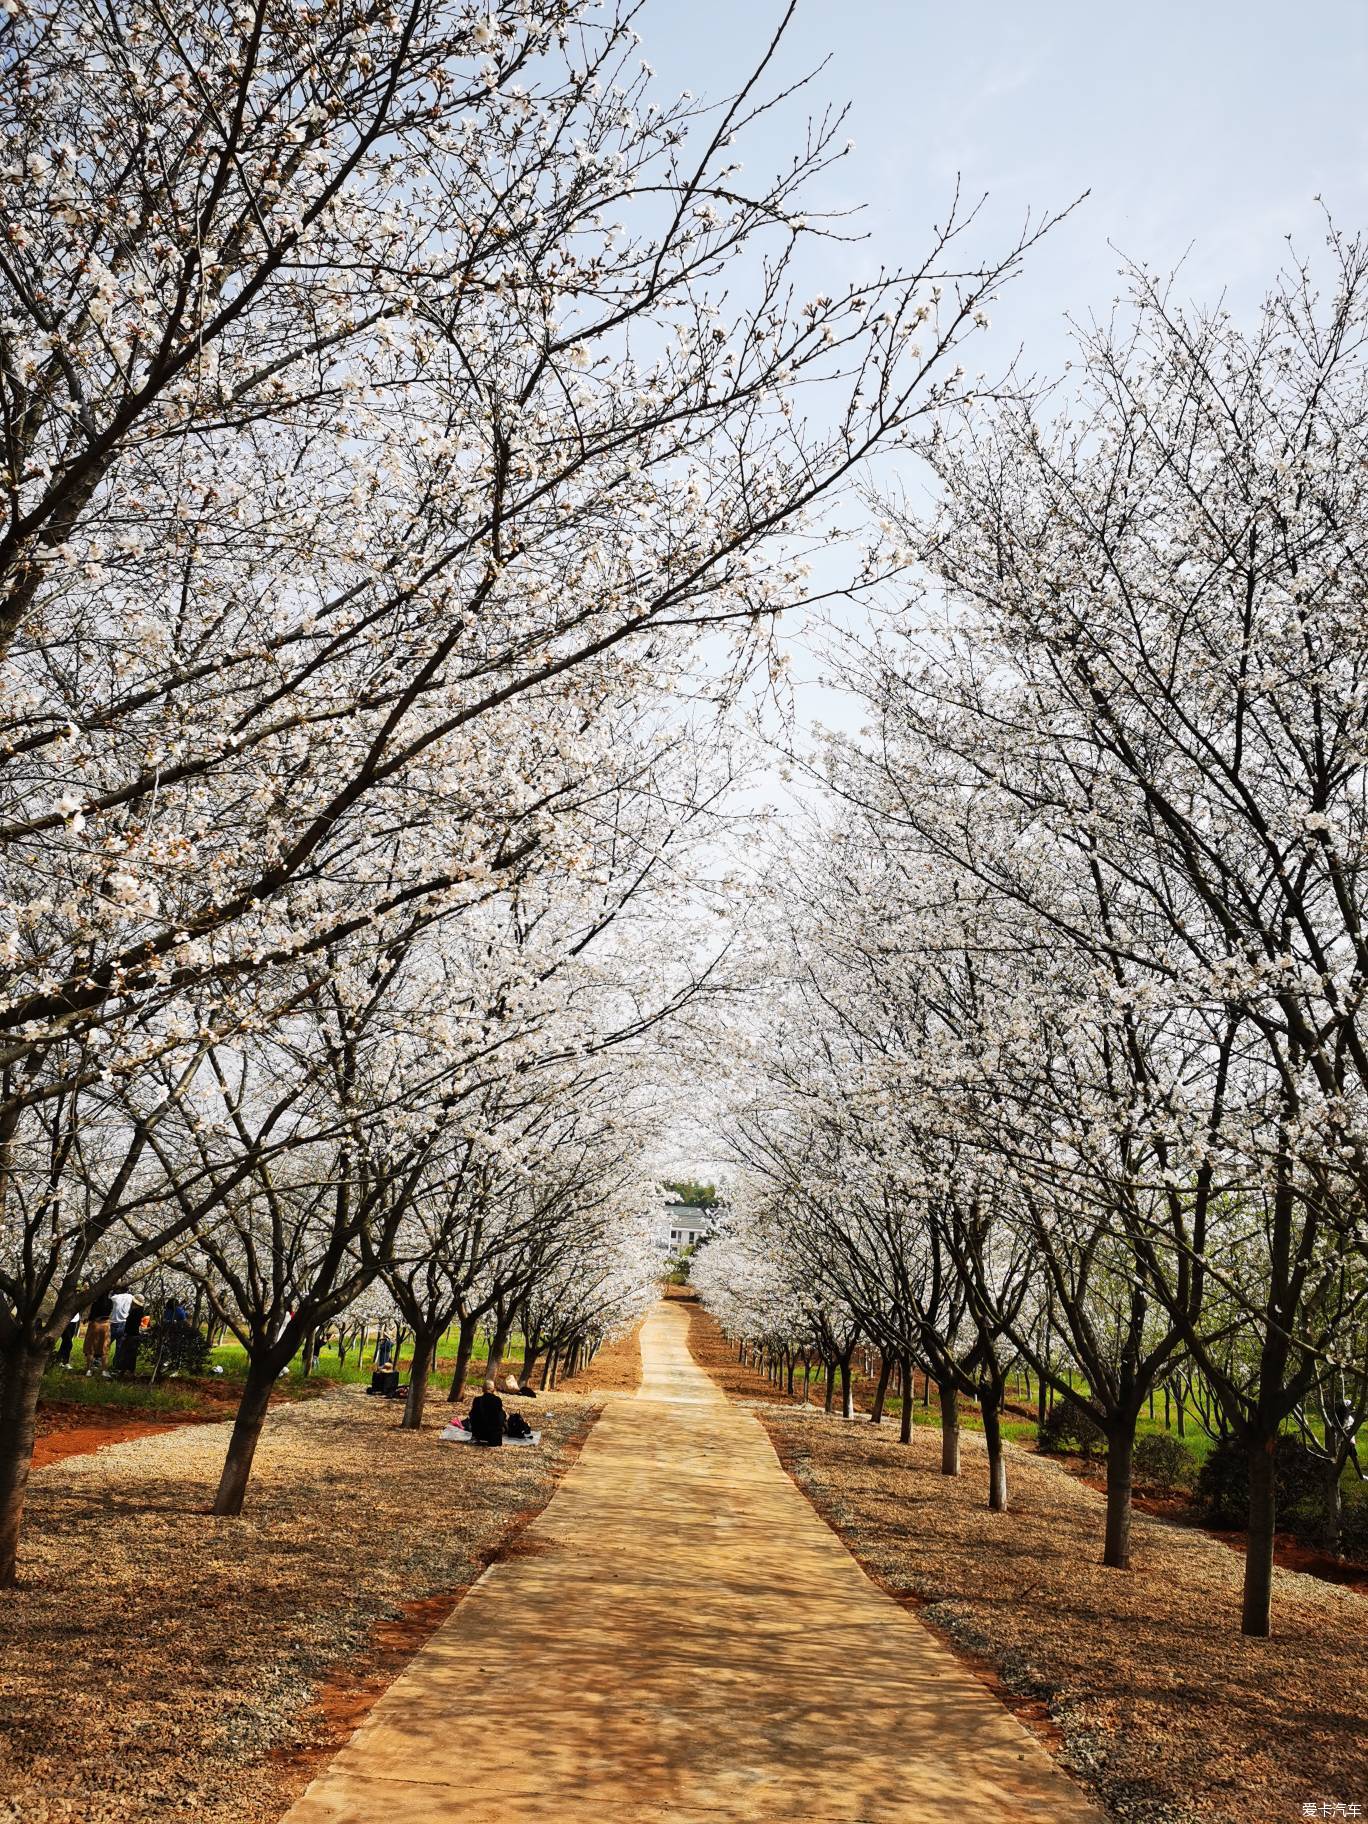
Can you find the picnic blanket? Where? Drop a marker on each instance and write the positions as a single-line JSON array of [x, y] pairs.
[[457, 1434]]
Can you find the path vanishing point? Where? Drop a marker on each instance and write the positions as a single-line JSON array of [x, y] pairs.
[[698, 1646]]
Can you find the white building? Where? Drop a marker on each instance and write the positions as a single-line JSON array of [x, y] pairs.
[[683, 1225]]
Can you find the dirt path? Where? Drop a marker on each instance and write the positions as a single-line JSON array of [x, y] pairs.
[[695, 1645]]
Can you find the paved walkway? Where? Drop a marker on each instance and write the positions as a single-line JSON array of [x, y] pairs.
[[691, 1643]]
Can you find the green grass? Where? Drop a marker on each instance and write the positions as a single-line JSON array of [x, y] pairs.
[[232, 1358], [1197, 1441], [1019, 1429], [174, 1394], [75, 1390], [1024, 1431]]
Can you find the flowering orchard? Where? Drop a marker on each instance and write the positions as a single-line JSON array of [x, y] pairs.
[[1060, 1051], [403, 460], [413, 437]]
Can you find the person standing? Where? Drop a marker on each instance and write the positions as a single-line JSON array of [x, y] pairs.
[[97, 1334], [118, 1317], [69, 1335], [126, 1350]]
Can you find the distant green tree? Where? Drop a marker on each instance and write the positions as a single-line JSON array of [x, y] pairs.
[[697, 1196]]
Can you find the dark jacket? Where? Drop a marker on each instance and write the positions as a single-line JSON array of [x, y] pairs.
[[486, 1421], [126, 1350]]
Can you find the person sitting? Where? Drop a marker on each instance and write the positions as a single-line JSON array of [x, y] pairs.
[[525, 1392], [486, 1421]]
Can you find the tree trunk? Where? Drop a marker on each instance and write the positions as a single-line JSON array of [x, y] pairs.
[[497, 1344], [881, 1391], [465, 1348], [847, 1390], [531, 1356], [909, 1404], [1332, 1518], [997, 1458], [23, 1378], [251, 1416], [1120, 1450], [950, 1429], [417, 1385], [792, 1374], [830, 1385], [1257, 1609], [807, 1380]]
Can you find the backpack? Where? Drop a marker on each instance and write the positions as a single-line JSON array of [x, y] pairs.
[[518, 1426]]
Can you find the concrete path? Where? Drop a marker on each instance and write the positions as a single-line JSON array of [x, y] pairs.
[[692, 1643]]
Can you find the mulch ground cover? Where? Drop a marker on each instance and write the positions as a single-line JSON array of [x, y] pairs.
[[1158, 1702], [156, 1661], [77, 1431], [615, 1369], [74, 1427]]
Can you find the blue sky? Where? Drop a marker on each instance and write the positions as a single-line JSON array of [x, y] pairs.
[[1204, 132]]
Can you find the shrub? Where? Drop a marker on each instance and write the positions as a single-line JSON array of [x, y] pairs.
[[1068, 1428], [1162, 1461], [1223, 1486], [183, 1349]]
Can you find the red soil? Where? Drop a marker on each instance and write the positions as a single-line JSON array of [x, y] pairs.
[[1288, 1551], [72, 1431], [69, 1428], [1293, 1556]]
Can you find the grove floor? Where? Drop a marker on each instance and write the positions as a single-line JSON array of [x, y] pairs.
[[699, 1648], [157, 1662], [1155, 1698]]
